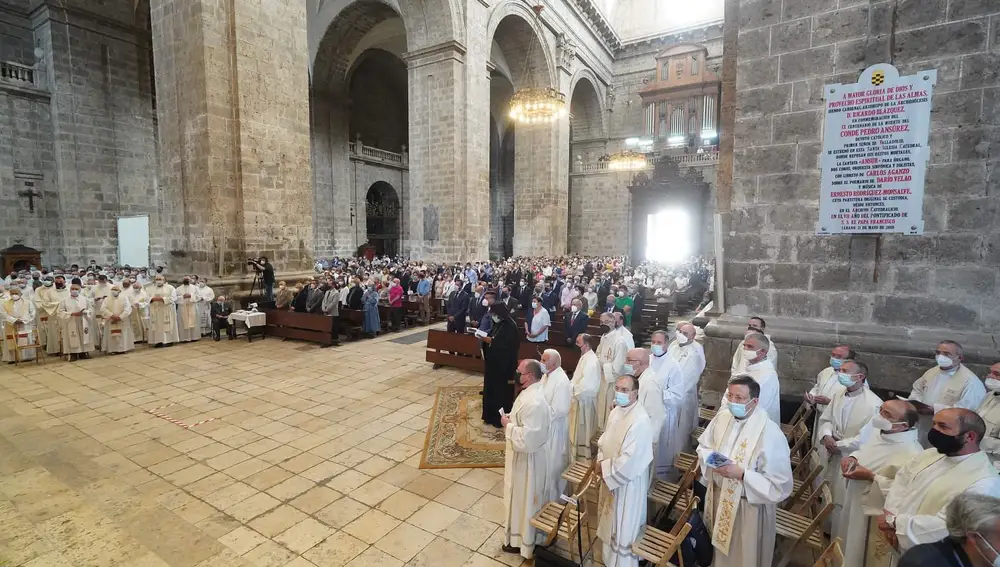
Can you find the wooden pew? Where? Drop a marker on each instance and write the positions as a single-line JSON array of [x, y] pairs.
[[351, 322], [302, 326], [464, 351]]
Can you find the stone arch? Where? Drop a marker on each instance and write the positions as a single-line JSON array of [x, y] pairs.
[[332, 61], [512, 26], [586, 112], [377, 90], [383, 213]]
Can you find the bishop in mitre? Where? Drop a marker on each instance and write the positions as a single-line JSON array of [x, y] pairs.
[[559, 396], [761, 369], [47, 300], [841, 424], [525, 473], [950, 384], [625, 451], [989, 410], [139, 305], [827, 385], [117, 333], [78, 333], [747, 470], [188, 325], [583, 409], [17, 315], [162, 314], [611, 353], [890, 443], [917, 496]]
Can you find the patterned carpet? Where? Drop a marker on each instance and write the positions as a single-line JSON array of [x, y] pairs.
[[457, 437]]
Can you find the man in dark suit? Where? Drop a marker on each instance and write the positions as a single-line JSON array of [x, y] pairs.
[[509, 300], [476, 308], [220, 318], [458, 308], [354, 295], [602, 292], [575, 322]]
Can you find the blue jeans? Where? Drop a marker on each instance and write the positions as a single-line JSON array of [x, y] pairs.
[[269, 291]]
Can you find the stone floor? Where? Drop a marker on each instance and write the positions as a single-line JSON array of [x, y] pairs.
[[310, 460]]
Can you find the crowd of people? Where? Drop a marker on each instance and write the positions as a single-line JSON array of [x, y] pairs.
[[893, 465], [76, 311]]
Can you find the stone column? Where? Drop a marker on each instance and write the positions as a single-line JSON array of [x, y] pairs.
[[233, 108]]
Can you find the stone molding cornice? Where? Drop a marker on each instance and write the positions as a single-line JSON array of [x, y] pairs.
[[451, 49], [598, 23], [25, 91], [88, 21]]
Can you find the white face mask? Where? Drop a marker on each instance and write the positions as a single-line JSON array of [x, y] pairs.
[[944, 361], [996, 555], [682, 339], [883, 424], [534, 305], [115, 293], [992, 384]]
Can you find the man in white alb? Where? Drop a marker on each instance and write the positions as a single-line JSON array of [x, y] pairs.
[[17, 322], [623, 331], [650, 397], [559, 395], [826, 382], [611, 353], [916, 497], [117, 332], [162, 314], [740, 362], [78, 333], [680, 377], [139, 303], [890, 443], [205, 297], [624, 454], [759, 367], [841, 424], [747, 470], [989, 410], [187, 312], [583, 409], [950, 384], [525, 473]]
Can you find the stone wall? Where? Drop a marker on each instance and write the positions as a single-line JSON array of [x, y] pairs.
[[892, 295], [598, 204], [84, 134]]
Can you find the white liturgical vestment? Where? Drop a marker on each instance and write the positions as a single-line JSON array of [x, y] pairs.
[[611, 354], [188, 325], [989, 410], [525, 473], [826, 386], [923, 488], [959, 388], [879, 452], [844, 419], [162, 315], [624, 454], [47, 303], [139, 302], [205, 297], [741, 514], [77, 331], [116, 335], [651, 399], [559, 396], [17, 322], [739, 364], [770, 396], [680, 405], [583, 409]]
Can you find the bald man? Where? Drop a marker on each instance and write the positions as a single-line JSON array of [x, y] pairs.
[[559, 395], [760, 368], [650, 397], [950, 384], [918, 494]]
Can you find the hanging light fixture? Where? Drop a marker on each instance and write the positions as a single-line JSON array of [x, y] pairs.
[[627, 160], [534, 105]]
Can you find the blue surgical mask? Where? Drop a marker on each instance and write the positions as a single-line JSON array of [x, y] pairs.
[[545, 369], [657, 350], [845, 379], [739, 411], [835, 363], [628, 369], [622, 399]]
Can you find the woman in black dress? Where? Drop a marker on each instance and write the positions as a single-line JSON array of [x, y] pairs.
[[500, 356]]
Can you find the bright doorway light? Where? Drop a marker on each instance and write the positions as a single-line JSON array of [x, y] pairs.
[[668, 236]]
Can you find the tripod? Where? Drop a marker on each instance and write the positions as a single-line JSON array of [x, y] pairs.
[[257, 283]]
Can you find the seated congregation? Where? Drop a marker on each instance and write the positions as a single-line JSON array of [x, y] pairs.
[[663, 480]]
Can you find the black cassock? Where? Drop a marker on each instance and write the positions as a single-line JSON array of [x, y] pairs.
[[500, 358]]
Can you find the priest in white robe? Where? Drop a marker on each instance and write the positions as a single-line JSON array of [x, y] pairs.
[[76, 313], [583, 410], [188, 325], [52, 293], [117, 333], [651, 399], [17, 315], [611, 354], [760, 368], [841, 424], [680, 375], [916, 497], [890, 443], [139, 305], [754, 476], [205, 297], [525, 473], [162, 313], [624, 454], [559, 396], [740, 360], [623, 331], [950, 384], [826, 386], [989, 410]]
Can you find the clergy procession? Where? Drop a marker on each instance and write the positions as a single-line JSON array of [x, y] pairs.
[[852, 474], [79, 311]]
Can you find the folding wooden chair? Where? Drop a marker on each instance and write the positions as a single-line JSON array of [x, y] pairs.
[[657, 546], [801, 416], [577, 472], [804, 477], [803, 528], [705, 414], [560, 519], [670, 494], [683, 461], [801, 443], [19, 348], [833, 556]]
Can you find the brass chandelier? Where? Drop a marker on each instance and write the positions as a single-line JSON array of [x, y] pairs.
[[627, 160], [536, 105]]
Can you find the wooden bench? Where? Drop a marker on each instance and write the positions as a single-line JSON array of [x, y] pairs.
[[352, 322], [310, 327], [465, 351]]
